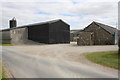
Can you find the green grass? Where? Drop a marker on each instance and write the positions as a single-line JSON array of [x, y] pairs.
[[108, 58], [5, 44], [2, 72]]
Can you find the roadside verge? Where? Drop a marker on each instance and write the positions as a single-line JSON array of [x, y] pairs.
[[106, 58]]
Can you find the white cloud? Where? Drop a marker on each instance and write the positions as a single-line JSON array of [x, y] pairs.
[[83, 11]]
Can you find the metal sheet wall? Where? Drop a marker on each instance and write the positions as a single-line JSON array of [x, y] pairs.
[[59, 32], [52, 33], [39, 33]]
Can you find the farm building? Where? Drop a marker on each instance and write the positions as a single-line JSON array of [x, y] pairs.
[[50, 32], [98, 34], [74, 35], [85, 38]]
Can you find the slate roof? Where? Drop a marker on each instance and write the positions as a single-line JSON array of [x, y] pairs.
[[109, 29], [40, 23]]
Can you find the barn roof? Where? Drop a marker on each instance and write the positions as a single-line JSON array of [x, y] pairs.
[[40, 23], [47, 22], [106, 27]]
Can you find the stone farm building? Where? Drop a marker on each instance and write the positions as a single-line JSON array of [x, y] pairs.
[[98, 34], [50, 32]]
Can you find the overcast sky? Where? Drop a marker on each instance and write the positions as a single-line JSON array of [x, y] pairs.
[[77, 13]]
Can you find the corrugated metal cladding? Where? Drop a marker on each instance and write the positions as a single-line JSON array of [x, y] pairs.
[[59, 33], [39, 33], [51, 33]]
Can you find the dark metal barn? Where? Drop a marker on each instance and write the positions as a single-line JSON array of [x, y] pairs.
[[50, 32]]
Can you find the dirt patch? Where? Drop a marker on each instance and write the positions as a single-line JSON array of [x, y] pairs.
[[60, 51], [68, 52]]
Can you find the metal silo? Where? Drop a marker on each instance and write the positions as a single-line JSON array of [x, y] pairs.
[[13, 23]]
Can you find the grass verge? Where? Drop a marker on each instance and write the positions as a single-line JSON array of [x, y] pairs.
[[3, 74], [107, 58], [5, 44], [0, 70]]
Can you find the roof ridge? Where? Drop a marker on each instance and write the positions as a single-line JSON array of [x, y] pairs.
[[104, 24], [50, 21], [108, 28]]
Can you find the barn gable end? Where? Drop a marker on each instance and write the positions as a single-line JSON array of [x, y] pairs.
[[59, 32], [101, 35]]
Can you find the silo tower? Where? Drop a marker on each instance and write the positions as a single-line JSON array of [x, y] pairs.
[[13, 23]]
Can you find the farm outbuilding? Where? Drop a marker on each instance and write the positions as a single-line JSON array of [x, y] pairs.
[[50, 32], [99, 34], [86, 38], [74, 35]]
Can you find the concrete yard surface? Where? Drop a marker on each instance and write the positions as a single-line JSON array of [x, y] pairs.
[[55, 61]]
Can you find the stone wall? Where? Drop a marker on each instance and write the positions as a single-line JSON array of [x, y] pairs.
[[85, 38], [101, 36], [19, 35], [5, 36]]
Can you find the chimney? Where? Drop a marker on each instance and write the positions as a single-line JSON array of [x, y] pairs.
[[13, 23]]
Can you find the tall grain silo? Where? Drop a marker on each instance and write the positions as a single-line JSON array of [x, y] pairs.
[[13, 23]]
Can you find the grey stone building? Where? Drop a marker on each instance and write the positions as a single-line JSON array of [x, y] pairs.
[[85, 38], [97, 34], [50, 32]]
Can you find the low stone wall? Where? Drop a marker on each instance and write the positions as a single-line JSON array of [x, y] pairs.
[[19, 35], [5, 36]]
